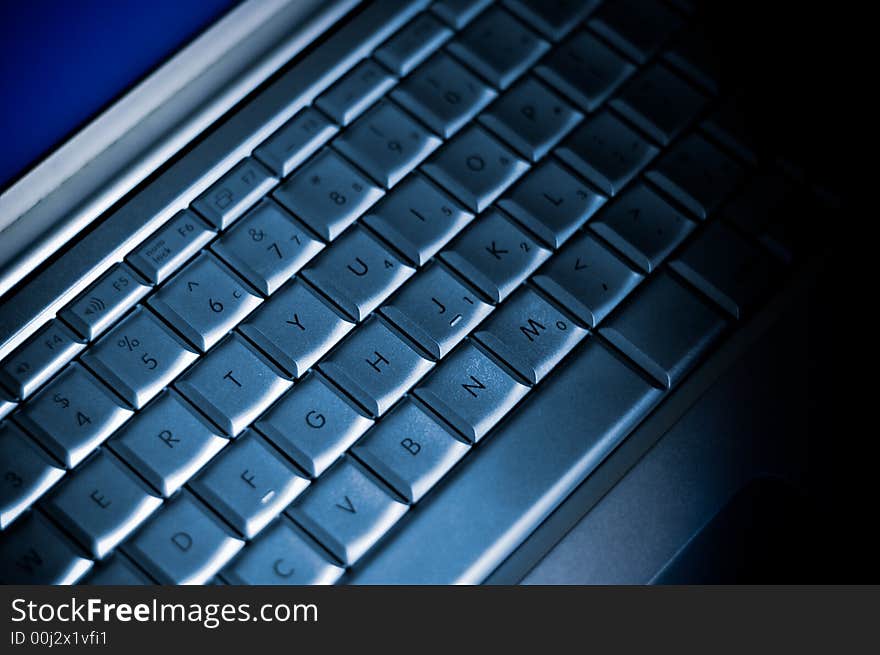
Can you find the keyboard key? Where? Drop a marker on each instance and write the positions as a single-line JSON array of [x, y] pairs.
[[386, 143], [552, 203], [531, 118], [116, 571], [418, 219], [498, 47], [234, 193], [313, 425], [327, 194], [183, 544], [296, 327], [443, 94], [347, 511], [358, 273], [267, 247], [697, 175], [171, 246], [585, 70], [606, 152], [102, 504], [495, 255], [410, 450], [659, 103], [502, 494], [204, 301], [167, 443], [728, 126], [530, 335], [664, 328], [295, 141], [375, 366], [282, 556], [139, 357], [35, 552], [358, 89], [233, 385], [436, 310], [73, 415], [475, 168], [587, 279], [695, 56], [7, 404], [553, 18], [39, 358], [104, 302], [471, 392], [26, 473], [641, 225], [635, 27], [459, 13], [249, 484], [412, 44]]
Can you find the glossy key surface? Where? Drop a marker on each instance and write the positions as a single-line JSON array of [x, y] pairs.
[[26, 473], [171, 246], [36, 552], [413, 43], [39, 358], [295, 141], [234, 193], [358, 89]]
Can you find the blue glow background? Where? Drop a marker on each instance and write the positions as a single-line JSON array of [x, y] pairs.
[[63, 61]]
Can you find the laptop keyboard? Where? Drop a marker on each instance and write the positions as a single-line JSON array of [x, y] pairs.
[[300, 378]]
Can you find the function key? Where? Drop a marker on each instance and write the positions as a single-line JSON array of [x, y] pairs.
[[39, 358], [295, 141], [234, 193], [171, 246]]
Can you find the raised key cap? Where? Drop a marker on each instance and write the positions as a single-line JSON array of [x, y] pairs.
[[234, 193], [26, 473], [7, 404], [117, 570], [313, 425], [358, 89], [233, 385], [347, 511], [39, 358], [104, 302], [73, 415], [171, 246], [102, 504], [295, 141], [35, 552], [459, 13], [296, 327], [635, 27], [553, 18], [413, 43]]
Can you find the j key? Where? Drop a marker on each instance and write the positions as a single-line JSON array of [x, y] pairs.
[[587, 279], [636, 28], [375, 366], [39, 358], [169, 248], [204, 301], [436, 310], [418, 219], [167, 443], [606, 152], [313, 425], [413, 44], [360, 88], [104, 302], [585, 70], [347, 511], [358, 273], [26, 473], [386, 143], [234, 193], [727, 268], [495, 255], [553, 18], [327, 194], [282, 556], [101, 504], [643, 226], [139, 357], [410, 450], [297, 140], [35, 552], [471, 392], [183, 544], [498, 47], [697, 174], [475, 168], [233, 385], [664, 328], [7, 404], [118, 570], [296, 327], [249, 484], [531, 118], [530, 335], [267, 246], [459, 13], [73, 415], [443, 94], [660, 103], [552, 203]]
